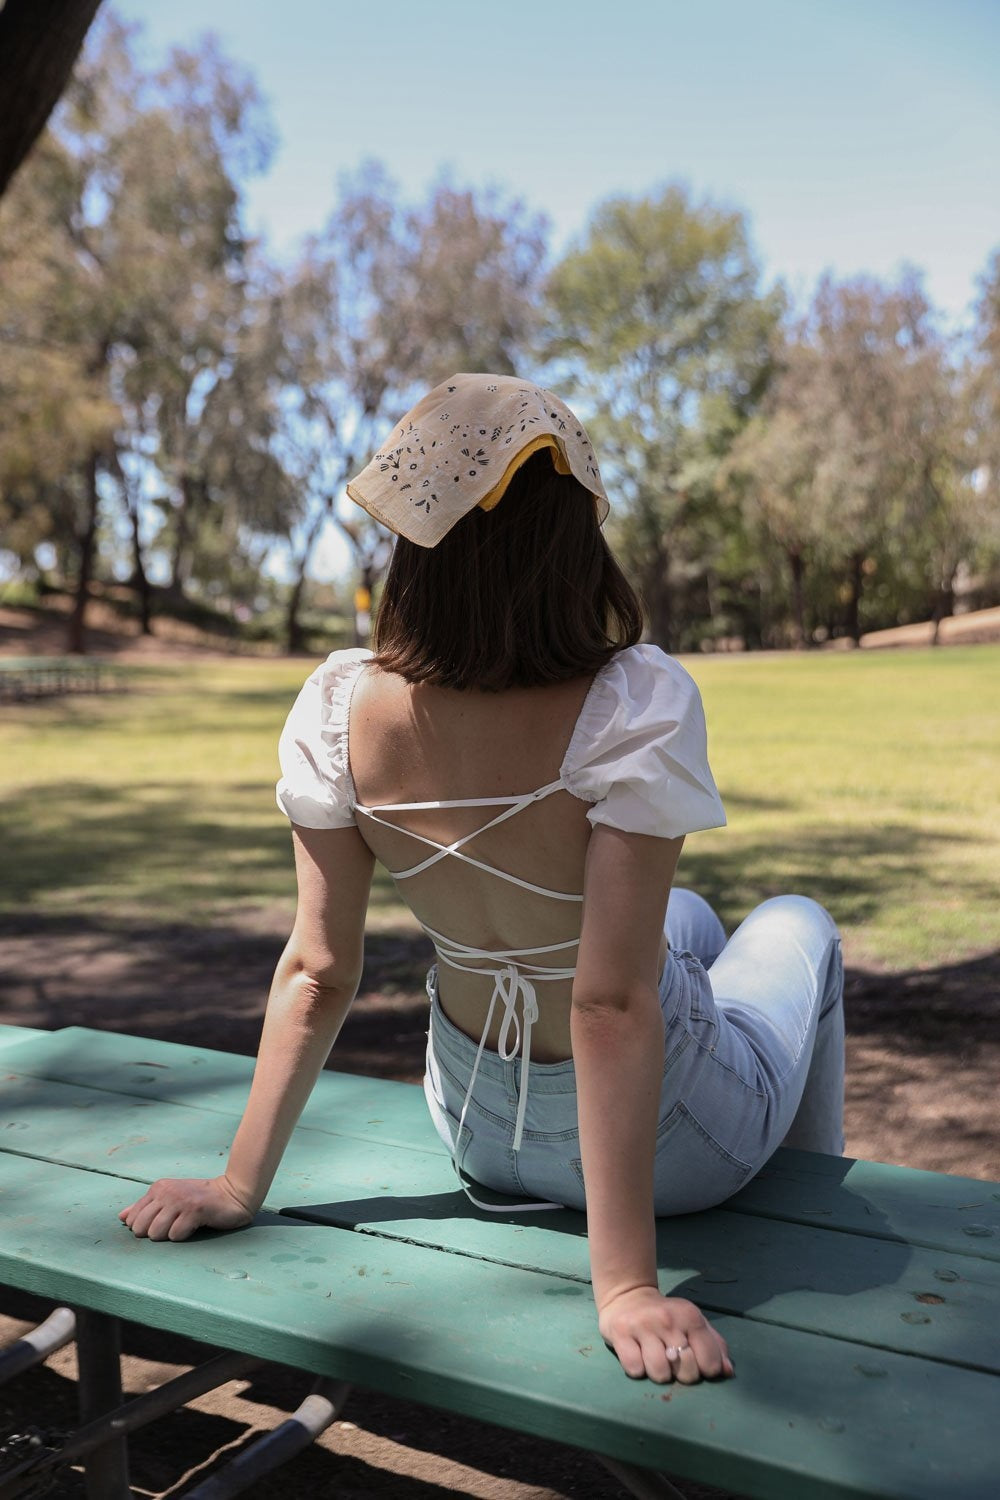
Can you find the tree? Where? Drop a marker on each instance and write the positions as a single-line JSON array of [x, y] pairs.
[[773, 464], [129, 283], [981, 410], [657, 320], [875, 345], [388, 300]]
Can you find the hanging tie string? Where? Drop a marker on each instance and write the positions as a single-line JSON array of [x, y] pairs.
[[509, 983]]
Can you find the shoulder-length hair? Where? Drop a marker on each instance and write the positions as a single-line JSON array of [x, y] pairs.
[[521, 595]]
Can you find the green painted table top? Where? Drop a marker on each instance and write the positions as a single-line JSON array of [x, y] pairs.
[[861, 1301]]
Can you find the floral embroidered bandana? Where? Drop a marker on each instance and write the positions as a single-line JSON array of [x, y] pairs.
[[460, 446]]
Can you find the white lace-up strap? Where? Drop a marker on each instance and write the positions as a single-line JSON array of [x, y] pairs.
[[512, 806]]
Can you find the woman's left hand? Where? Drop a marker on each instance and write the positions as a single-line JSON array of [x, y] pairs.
[[174, 1207], [663, 1338]]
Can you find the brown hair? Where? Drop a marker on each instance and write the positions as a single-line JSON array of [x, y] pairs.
[[517, 596]]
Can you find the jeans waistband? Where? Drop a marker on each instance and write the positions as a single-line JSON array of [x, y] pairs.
[[451, 1044]]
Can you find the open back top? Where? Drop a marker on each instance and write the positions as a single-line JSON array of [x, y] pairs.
[[515, 973], [638, 754]]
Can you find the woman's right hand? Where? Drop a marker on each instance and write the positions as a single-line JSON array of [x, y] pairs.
[[663, 1338], [174, 1207]]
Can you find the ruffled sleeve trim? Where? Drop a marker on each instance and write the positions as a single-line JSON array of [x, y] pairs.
[[316, 789], [639, 749]]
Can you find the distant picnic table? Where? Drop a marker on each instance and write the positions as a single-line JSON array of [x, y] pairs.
[[26, 677]]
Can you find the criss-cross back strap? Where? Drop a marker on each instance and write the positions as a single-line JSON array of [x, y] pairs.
[[511, 805]]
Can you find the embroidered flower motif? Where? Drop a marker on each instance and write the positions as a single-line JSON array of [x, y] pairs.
[[465, 448]]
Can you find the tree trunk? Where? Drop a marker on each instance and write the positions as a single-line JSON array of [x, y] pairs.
[[656, 596], [76, 635], [797, 567], [39, 43], [140, 579], [944, 605], [180, 562], [294, 637], [857, 583]]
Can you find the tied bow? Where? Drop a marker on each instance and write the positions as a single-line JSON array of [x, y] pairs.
[[508, 983]]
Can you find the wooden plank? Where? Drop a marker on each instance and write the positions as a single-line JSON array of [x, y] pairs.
[[871, 1290], [13, 1036], [957, 1214], [343, 1103], [805, 1417], [954, 1215]]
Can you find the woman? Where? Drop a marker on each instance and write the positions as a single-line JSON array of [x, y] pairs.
[[528, 772]]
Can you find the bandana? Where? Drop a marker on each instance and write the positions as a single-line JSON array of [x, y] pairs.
[[460, 446]]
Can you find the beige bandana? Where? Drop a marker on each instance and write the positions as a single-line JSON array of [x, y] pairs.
[[460, 446]]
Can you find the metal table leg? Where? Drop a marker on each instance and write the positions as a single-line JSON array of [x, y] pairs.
[[645, 1484], [37, 1344], [98, 1348], [321, 1407]]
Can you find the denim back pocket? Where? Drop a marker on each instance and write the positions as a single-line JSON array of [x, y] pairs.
[[692, 1170]]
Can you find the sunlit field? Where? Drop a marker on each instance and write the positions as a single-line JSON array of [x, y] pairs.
[[868, 780]]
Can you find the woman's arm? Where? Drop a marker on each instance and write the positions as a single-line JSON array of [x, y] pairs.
[[617, 1036], [314, 985]]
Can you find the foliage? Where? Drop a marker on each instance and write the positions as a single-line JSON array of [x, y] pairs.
[[657, 320], [176, 409], [387, 300]]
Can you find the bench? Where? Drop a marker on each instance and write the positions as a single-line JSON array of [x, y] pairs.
[[26, 677], [861, 1302]]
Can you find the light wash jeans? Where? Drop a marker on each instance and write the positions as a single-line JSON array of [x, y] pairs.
[[753, 1060]]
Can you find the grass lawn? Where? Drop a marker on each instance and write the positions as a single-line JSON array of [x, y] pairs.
[[868, 780]]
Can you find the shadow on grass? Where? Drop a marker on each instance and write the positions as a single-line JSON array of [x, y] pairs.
[[158, 845], [855, 872], [168, 847]]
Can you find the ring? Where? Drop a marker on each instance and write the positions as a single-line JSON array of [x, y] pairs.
[[674, 1351]]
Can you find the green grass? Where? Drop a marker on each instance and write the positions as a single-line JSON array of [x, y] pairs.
[[868, 780]]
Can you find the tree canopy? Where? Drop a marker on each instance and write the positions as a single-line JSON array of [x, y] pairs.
[[181, 411]]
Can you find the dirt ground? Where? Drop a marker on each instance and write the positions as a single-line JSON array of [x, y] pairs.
[[923, 1060]]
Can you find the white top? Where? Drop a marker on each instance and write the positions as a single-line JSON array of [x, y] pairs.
[[638, 751]]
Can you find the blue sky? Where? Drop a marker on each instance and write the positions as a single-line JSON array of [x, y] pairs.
[[856, 134]]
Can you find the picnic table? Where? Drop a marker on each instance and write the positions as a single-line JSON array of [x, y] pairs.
[[860, 1301], [26, 677]]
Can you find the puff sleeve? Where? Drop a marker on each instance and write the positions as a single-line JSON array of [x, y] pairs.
[[639, 751], [315, 789]]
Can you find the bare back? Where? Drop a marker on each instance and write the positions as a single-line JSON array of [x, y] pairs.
[[416, 743]]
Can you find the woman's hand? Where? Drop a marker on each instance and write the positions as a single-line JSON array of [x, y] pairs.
[[174, 1207], [664, 1338]]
